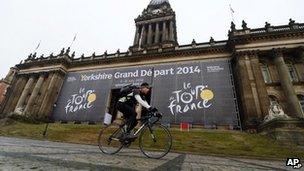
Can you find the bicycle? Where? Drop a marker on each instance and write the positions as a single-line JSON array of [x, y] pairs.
[[155, 140]]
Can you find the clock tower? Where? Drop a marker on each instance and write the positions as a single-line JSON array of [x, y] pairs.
[[155, 27]]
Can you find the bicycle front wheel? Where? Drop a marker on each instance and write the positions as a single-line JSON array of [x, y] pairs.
[[109, 139], [155, 141]]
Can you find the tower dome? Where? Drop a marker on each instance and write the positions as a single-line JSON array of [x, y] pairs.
[[158, 2], [155, 27]]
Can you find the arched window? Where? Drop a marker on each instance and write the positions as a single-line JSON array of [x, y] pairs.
[[273, 100], [292, 72], [301, 100], [265, 73]]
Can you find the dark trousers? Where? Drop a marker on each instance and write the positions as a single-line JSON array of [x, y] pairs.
[[129, 113]]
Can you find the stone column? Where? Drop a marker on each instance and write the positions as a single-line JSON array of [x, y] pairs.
[[287, 85], [24, 94], [142, 38], [247, 90], [34, 94], [41, 95], [51, 94], [260, 84], [156, 33], [150, 32], [165, 37], [136, 39], [13, 94], [47, 97], [171, 30]]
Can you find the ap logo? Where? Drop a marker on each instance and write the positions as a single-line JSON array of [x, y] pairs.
[[294, 162]]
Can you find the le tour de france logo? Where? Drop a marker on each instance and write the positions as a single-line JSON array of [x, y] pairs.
[[80, 101], [190, 98]]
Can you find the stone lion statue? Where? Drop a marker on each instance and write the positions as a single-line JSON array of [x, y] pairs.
[[275, 111]]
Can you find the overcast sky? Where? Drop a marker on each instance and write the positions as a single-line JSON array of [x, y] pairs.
[[109, 24]]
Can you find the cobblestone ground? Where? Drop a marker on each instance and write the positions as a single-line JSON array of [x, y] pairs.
[[24, 154]]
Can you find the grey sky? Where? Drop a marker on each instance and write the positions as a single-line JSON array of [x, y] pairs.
[[109, 24]]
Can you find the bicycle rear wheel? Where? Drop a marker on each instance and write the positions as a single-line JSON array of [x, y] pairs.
[[155, 141], [109, 139]]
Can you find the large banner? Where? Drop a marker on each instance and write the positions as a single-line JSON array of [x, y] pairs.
[[198, 92], [84, 96], [195, 92]]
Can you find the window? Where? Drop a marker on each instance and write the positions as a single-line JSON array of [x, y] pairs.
[[266, 73], [273, 100], [292, 72], [301, 100]]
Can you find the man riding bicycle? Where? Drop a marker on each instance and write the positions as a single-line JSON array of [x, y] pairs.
[[154, 139], [127, 102]]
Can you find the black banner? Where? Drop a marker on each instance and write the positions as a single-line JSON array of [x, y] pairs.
[[199, 93], [195, 92]]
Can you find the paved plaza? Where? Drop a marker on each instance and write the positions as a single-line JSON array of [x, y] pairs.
[[24, 154]]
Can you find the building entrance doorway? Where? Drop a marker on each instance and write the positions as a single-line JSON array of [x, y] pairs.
[[113, 101]]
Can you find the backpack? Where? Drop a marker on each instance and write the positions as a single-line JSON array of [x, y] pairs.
[[124, 91]]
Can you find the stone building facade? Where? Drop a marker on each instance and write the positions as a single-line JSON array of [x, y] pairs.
[[5, 85], [267, 66], [3, 89]]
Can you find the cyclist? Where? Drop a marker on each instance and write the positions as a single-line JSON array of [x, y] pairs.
[[126, 105]]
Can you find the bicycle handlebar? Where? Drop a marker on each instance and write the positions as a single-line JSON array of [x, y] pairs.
[[153, 114]]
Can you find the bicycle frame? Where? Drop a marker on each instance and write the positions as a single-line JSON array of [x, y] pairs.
[[146, 122], [140, 129]]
